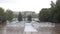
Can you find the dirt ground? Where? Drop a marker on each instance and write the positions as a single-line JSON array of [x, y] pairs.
[[18, 28]]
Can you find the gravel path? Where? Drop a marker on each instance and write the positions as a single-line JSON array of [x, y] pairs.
[[18, 28]]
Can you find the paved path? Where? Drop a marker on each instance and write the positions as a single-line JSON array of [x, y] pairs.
[[29, 28]]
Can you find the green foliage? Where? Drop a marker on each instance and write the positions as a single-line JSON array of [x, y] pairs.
[[44, 14], [9, 15], [20, 17], [56, 17], [29, 18], [52, 14], [2, 15], [2, 12]]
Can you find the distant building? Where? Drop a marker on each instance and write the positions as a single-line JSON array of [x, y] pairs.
[[15, 14], [25, 14]]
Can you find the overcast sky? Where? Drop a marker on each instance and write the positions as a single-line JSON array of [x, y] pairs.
[[25, 5]]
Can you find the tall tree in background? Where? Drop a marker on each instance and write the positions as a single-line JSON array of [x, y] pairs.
[[20, 17], [29, 18], [52, 14], [2, 15], [9, 15], [56, 17], [53, 9]]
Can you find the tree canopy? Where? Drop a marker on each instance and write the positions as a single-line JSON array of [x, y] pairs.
[[20, 17], [51, 14], [9, 15], [29, 18]]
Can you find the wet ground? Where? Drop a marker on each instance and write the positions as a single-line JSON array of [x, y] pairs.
[[18, 28], [57, 28]]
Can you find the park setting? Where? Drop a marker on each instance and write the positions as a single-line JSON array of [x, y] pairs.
[[26, 17]]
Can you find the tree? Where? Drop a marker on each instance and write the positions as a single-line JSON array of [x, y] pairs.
[[56, 17], [29, 18], [44, 14], [53, 9], [20, 17], [2, 15], [9, 15], [52, 14]]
